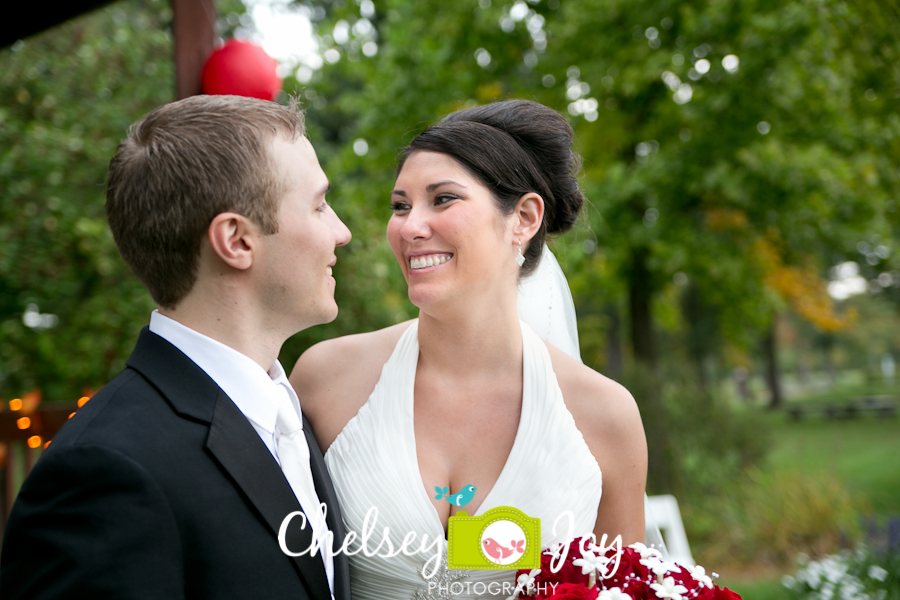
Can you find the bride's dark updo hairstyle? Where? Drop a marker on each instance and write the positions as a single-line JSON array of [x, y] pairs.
[[513, 148]]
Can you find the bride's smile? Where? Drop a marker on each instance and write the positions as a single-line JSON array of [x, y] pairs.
[[420, 262]]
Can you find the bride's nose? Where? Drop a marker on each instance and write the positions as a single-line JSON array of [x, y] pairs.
[[415, 225]]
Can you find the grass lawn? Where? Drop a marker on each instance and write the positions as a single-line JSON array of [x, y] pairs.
[[755, 583], [864, 453], [756, 589]]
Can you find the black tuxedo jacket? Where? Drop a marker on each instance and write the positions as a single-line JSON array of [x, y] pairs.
[[159, 487]]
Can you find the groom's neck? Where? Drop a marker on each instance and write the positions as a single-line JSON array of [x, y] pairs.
[[230, 321]]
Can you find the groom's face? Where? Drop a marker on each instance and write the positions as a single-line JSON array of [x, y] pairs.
[[296, 263]]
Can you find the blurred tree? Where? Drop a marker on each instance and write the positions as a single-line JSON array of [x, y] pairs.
[[732, 152], [709, 130], [70, 310], [69, 95]]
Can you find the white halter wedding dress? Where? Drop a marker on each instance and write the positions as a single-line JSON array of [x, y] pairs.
[[373, 463], [549, 470]]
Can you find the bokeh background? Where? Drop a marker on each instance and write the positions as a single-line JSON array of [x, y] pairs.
[[736, 266]]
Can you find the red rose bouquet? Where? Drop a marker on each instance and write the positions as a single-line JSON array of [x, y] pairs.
[[581, 570]]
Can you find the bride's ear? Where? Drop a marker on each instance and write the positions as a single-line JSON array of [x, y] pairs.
[[529, 214]]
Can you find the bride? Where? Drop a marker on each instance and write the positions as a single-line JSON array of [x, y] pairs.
[[467, 394]]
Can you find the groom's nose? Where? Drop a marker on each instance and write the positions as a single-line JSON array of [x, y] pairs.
[[342, 233]]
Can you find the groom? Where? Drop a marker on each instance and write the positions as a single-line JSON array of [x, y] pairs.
[[173, 481]]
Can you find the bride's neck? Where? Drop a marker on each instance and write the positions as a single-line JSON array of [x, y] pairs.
[[471, 342]]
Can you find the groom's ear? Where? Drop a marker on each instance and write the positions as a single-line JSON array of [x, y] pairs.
[[233, 239], [529, 214]]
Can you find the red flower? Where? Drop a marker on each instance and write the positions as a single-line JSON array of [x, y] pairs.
[[573, 591], [568, 573], [706, 593], [726, 594], [632, 577], [638, 590], [629, 568]]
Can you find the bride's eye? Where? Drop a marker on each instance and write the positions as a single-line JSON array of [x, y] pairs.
[[444, 198], [399, 206]]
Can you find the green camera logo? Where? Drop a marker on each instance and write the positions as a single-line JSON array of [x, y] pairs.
[[502, 538]]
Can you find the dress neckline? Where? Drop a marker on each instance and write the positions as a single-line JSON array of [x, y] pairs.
[[409, 429]]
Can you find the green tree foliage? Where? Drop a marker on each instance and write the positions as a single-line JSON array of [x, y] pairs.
[[733, 150], [68, 96], [733, 147]]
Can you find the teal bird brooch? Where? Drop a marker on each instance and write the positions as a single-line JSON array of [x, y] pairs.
[[461, 498]]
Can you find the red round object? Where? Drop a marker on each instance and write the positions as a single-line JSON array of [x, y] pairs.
[[241, 68]]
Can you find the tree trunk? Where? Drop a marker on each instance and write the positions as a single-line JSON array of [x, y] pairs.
[[773, 377], [614, 343], [639, 296], [647, 385]]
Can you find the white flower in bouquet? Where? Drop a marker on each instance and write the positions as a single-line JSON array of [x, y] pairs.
[[659, 566], [523, 584], [613, 594], [591, 563], [645, 551], [668, 589], [699, 573], [555, 551]]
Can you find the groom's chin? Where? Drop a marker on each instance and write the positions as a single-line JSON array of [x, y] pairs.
[[329, 315]]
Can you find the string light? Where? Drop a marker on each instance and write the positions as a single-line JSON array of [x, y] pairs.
[[34, 441], [47, 443], [71, 415], [15, 404], [82, 401], [23, 423]]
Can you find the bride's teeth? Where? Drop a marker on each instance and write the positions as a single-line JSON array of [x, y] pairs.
[[421, 262], [328, 271]]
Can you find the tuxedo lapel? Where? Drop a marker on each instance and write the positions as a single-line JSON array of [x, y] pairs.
[[326, 493], [234, 444], [237, 447]]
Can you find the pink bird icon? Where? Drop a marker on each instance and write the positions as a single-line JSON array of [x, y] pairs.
[[498, 552]]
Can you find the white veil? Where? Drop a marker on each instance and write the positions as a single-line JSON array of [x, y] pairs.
[[546, 305]]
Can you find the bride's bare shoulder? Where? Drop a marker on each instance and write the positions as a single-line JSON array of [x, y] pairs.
[[604, 411], [334, 378], [608, 418]]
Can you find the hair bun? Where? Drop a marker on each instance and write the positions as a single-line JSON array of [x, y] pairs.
[[513, 148], [546, 137]]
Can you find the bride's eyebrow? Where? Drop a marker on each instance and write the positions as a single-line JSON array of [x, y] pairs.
[[433, 186]]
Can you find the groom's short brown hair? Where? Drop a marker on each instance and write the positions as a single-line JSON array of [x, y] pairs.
[[180, 166]]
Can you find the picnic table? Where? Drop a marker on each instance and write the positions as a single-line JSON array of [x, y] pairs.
[[881, 406]]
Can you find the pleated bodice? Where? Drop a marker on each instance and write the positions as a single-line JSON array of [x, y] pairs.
[[373, 463]]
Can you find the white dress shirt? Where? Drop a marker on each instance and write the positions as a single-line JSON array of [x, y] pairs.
[[253, 390]]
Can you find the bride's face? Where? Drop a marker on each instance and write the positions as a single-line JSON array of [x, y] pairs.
[[446, 231]]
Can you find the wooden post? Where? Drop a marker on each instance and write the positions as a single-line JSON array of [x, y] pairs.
[[194, 28], [9, 486]]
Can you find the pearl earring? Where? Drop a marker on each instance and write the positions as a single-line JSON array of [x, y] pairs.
[[520, 258]]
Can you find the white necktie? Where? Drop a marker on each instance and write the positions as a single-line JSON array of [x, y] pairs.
[[293, 453]]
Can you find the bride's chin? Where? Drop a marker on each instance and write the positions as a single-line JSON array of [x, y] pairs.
[[422, 297]]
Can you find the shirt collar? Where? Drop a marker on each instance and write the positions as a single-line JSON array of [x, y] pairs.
[[248, 385]]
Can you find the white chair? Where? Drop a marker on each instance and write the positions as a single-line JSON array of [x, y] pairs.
[[661, 514]]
